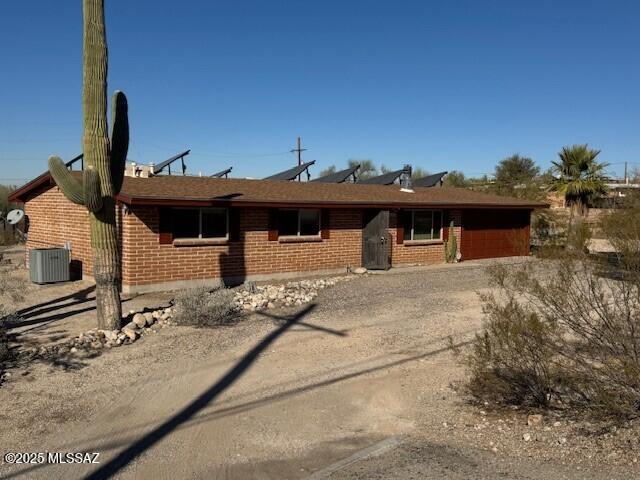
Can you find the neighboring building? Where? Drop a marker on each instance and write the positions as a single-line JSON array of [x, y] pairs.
[[176, 231]]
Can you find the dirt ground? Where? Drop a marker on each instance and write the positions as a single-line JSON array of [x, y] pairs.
[[285, 394]]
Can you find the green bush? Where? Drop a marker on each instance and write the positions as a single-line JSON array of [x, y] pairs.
[[512, 360], [622, 229], [204, 307]]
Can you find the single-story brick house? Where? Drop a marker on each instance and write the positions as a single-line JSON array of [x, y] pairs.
[[180, 230]]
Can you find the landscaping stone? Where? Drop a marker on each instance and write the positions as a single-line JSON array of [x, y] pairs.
[[139, 320], [131, 334], [253, 297], [131, 326], [111, 335], [534, 420], [137, 324]]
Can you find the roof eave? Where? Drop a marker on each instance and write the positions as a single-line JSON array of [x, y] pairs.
[[199, 202], [20, 194]]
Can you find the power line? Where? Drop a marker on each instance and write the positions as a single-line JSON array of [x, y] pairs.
[[229, 154], [215, 154]]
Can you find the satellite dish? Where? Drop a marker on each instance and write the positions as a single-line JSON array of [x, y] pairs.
[[14, 217]]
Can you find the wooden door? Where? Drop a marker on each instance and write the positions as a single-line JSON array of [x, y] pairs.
[[376, 240]]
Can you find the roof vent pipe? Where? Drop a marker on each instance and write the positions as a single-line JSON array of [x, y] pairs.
[[405, 180]]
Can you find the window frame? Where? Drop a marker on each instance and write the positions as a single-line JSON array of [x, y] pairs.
[[432, 239], [200, 237], [298, 234]]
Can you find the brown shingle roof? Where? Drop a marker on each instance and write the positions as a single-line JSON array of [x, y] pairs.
[[188, 190], [179, 190]]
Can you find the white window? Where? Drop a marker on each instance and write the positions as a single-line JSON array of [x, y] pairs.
[[200, 223], [424, 225], [299, 222]]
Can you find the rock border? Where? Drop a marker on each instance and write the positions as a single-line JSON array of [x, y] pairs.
[[138, 325], [250, 298]]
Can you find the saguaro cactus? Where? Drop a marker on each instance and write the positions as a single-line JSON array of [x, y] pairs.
[[104, 162]]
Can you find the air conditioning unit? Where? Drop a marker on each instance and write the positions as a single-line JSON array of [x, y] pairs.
[[49, 265]]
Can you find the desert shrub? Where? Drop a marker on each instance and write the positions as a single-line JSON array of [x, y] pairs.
[[512, 361], [11, 291], [5, 352], [622, 228], [559, 333], [204, 307], [548, 228]]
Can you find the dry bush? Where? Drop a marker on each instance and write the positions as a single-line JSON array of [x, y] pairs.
[[622, 229], [11, 291], [6, 237], [548, 228], [560, 333], [204, 307]]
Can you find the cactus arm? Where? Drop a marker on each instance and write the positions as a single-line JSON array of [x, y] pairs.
[[70, 186], [119, 138], [92, 193]]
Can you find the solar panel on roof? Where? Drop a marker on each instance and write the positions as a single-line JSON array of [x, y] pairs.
[[338, 177], [429, 180], [223, 173], [292, 173], [167, 163], [384, 179]]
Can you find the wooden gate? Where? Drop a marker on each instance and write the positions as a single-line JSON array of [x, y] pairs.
[[376, 240]]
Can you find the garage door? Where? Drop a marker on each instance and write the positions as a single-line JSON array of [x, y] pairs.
[[494, 233]]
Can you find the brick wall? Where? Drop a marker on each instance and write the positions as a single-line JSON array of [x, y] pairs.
[[409, 253], [54, 220], [146, 261]]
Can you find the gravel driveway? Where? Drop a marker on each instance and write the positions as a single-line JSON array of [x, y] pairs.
[[289, 393]]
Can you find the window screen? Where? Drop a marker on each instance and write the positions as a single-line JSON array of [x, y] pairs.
[[437, 224], [214, 223], [186, 223], [423, 225], [199, 223], [287, 222], [309, 222], [304, 221]]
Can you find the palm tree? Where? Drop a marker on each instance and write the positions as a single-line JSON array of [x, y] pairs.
[[579, 177]]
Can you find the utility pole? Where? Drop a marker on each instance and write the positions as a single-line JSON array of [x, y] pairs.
[[626, 179], [299, 151]]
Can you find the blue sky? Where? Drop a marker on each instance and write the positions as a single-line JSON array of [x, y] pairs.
[[441, 85]]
